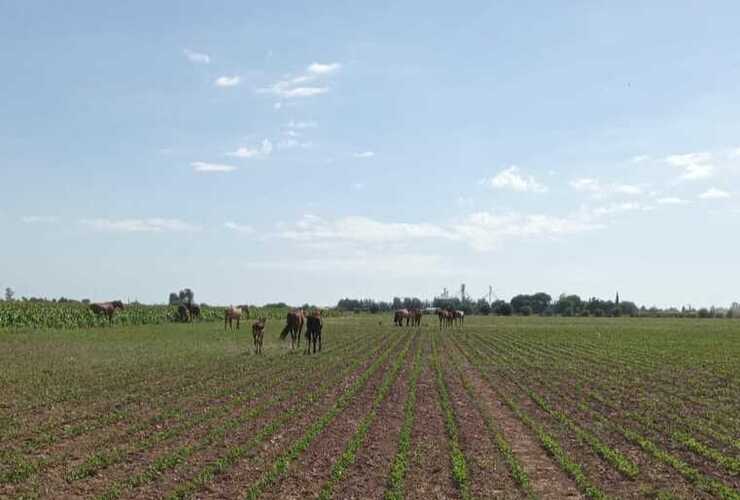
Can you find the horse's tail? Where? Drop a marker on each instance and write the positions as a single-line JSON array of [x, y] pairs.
[[285, 332]]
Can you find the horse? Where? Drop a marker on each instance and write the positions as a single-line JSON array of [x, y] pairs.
[[107, 308], [183, 314], [294, 327], [399, 316], [233, 313], [258, 332], [313, 331], [459, 317], [415, 317], [194, 311], [445, 318]]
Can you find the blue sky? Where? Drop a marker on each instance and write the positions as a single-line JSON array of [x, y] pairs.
[[265, 151]]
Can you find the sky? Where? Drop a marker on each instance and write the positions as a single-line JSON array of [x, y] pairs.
[[304, 152]]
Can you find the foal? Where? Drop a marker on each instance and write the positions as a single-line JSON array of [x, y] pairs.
[[258, 331]]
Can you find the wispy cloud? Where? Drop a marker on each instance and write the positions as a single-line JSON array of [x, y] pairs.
[[40, 219], [293, 143], [639, 158], [299, 125], [513, 179], [304, 85], [598, 189], [197, 57], [240, 228], [228, 81], [201, 166], [714, 194], [261, 151], [150, 225], [617, 208], [364, 154], [671, 200], [694, 165]]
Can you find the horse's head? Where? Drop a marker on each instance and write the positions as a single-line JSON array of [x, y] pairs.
[[117, 304]]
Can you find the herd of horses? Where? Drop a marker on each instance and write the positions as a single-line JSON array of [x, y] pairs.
[[447, 317], [294, 321]]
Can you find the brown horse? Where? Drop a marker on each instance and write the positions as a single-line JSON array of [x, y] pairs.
[[234, 313], [194, 311], [313, 331], [445, 318], [399, 316], [258, 332], [294, 327], [415, 317], [107, 308]]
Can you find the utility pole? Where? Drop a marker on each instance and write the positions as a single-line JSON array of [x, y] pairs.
[[490, 293]]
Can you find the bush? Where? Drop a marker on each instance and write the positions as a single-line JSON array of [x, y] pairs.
[[704, 313], [525, 311]]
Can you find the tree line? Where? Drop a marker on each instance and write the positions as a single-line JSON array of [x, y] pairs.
[[541, 304]]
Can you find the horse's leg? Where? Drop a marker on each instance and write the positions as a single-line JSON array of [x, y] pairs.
[[319, 341]]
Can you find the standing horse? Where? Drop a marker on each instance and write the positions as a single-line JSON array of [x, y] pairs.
[[399, 316], [445, 318], [313, 331], [294, 327], [415, 317], [258, 332], [107, 308], [230, 314], [194, 311], [459, 317]]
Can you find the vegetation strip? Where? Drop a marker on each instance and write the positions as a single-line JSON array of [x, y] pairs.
[[548, 442], [459, 466], [283, 462], [180, 455], [516, 469], [400, 461], [358, 438]]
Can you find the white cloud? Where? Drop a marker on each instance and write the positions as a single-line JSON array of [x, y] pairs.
[[239, 228], [228, 81], [598, 189], [735, 153], [364, 154], [512, 179], [301, 125], [694, 165], [301, 85], [483, 231], [151, 225], [197, 57], [639, 158], [262, 151], [39, 219], [671, 200], [714, 194], [323, 69], [616, 208], [201, 166]]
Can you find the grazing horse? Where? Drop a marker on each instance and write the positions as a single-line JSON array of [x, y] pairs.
[[231, 314], [313, 331], [399, 316], [294, 327], [459, 317], [415, 317], [258, 332], [107, 308], [445, 318]]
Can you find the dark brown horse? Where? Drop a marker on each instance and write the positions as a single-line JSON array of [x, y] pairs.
[[258, 332], [294, 327], [107, 308], [194, 311], [313, 331], [445, 318], [401, 315], [415, 317]]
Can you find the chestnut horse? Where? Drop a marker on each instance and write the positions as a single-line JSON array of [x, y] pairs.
[[258, 332], [107, 308], [445, 318], [313, 331], [235, 313], [415, 317], [294, 327], [400, 315]]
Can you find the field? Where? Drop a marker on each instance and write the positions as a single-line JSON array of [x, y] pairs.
[[504, 408]]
